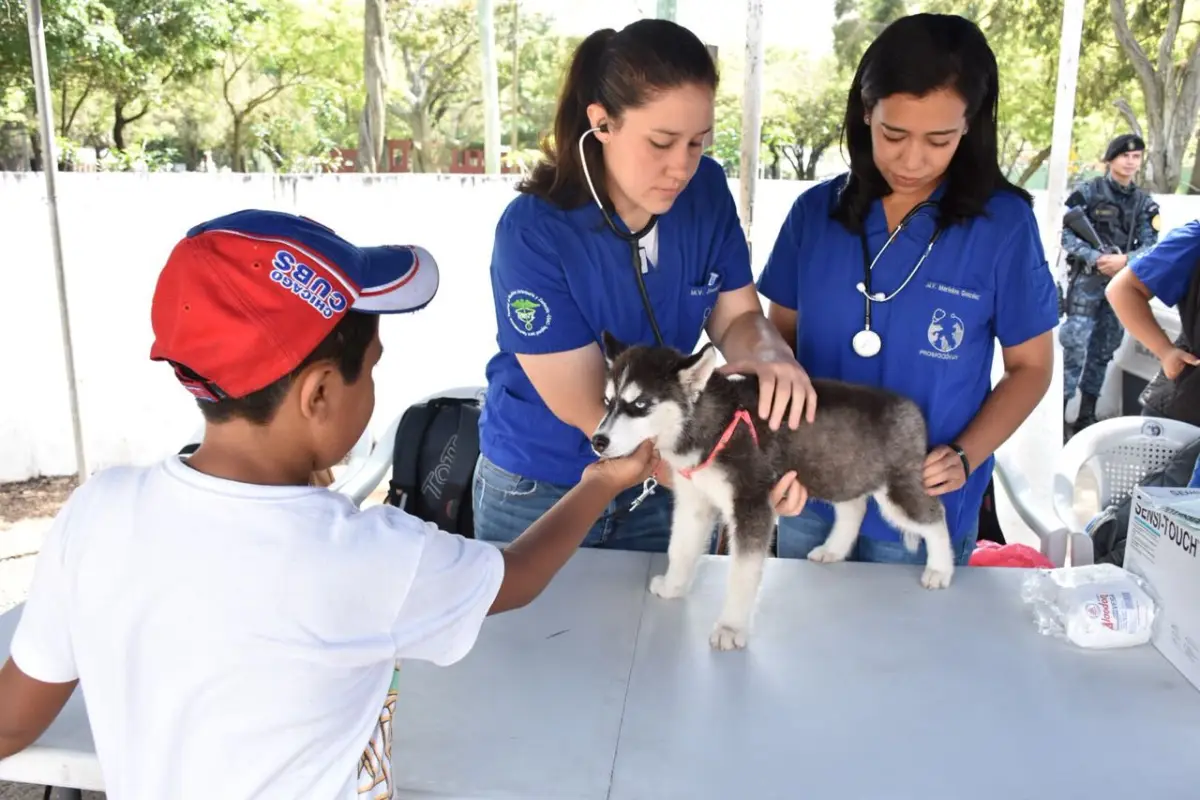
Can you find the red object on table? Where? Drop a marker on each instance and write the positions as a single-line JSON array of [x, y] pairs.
[[991, 554]]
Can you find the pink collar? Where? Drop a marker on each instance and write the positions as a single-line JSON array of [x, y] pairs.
[[742, 415]]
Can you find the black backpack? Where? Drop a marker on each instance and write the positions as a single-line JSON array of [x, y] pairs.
[[433, 461], [1109, 529]]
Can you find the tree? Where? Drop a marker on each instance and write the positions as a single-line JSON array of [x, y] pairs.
[[857, 23], [287, 47], [165, 42], [376, 60], [1170, 86], [435, 42]]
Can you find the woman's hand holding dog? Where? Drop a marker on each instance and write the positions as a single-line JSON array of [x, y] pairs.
[[780, 381], [943, 471]]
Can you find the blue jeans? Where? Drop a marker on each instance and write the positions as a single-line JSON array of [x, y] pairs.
[[505, 505], [807, 530]]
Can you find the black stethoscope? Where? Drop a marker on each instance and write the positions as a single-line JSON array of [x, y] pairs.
[[866, 342], [634, 240]]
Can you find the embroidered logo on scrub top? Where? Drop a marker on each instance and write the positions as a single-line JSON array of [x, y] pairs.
[[527, 312], [945, 334]]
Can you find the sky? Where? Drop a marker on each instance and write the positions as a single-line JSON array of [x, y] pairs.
[[800, 24]]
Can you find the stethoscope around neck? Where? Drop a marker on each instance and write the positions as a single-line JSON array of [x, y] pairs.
[[867, 342], [632, 239]]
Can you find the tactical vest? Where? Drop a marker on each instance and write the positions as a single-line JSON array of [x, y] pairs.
[[1114, 221]]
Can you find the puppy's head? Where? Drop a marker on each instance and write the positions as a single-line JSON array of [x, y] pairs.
[[649, 394]]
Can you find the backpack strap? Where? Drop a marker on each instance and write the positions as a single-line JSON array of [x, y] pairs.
[[462, 470], [406, 453]]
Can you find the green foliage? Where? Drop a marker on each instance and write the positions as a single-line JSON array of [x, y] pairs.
[[278, 84]]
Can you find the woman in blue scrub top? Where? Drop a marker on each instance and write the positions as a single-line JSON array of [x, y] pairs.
[[585, 247], [948, 250]]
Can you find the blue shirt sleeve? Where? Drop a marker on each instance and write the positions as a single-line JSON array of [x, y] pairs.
[[1167, 268], [732, 251], [536, 311], [780, 278], [1026, 299]]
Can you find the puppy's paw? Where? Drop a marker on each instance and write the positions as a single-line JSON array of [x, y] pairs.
[[727, 637], [823, 555], [933, 578], [661, 587], [912, 542]]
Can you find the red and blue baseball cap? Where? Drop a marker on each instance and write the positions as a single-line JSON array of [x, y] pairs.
[[243, 299]]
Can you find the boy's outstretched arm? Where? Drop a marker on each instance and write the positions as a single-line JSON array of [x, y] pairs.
[[536, 556], [27, 707]]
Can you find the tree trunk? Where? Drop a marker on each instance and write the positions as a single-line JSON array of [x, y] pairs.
[[372, 156], [235, 145], [1193, 184], [1171, 93], [1035, 164]]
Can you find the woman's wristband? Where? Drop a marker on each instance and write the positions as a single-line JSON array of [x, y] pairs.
[[962, 456]]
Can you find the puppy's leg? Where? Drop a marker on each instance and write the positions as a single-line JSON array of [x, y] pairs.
[[915, 514], [749, 540], [692, 521], [847, 521]]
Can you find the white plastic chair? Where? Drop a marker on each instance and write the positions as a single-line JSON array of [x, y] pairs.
[[1052, 538], [370, 471], [1121, 452]]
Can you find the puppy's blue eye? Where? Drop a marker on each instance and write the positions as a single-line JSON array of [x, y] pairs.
[[641, 405]]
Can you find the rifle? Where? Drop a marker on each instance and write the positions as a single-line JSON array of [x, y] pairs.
[[1081, 226]]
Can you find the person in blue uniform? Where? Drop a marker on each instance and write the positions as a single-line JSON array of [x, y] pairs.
[[1171, 272], [904, 272], [624, 226]]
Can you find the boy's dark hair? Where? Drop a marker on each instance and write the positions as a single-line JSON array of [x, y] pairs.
[[916, 55], [346, 345], [618, 70]]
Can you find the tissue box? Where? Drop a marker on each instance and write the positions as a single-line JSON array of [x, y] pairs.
[[1162, 544]]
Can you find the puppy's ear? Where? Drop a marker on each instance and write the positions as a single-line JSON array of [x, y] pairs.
[[613, 347], [696, 369]]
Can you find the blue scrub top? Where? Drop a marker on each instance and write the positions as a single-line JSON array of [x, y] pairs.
[[985, 280], [1167, 268], [560, 278]]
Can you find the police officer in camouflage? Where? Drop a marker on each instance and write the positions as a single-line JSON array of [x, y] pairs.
[[1126, 220]]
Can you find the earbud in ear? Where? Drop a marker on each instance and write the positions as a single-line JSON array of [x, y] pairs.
[[603, 126]]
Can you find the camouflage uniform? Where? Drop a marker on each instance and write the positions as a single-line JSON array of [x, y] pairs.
[[1124, 216]]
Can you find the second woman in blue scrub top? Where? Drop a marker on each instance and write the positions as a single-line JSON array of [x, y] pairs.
[[903, 272], [585, 247]]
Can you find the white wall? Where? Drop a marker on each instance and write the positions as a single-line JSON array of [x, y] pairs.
[[117, 229]]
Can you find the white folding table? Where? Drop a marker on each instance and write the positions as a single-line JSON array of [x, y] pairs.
[[857, 683]]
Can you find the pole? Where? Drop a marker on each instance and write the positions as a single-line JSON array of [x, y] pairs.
[[751, 112], [41, 81], [491, 89], [516, 73], [1060, 137]]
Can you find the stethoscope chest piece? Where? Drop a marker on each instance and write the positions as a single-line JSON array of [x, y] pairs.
[[866, 343]]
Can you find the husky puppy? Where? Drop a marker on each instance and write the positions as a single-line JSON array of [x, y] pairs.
[[864, 442]]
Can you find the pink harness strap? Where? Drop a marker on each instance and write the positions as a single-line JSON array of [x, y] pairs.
[[742, 415]]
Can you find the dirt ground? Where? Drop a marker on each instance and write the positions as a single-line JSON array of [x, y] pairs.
[[36, 497]]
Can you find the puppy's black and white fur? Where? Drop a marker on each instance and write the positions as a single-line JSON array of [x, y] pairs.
[[864, 442]]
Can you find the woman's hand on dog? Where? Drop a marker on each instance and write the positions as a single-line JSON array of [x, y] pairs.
[[627, 471], [943, 471], [789, 496], [780, 382]]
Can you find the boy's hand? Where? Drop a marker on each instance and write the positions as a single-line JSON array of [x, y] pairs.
[[627, 471]]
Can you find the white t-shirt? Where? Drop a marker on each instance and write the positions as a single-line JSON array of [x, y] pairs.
[[240, 641]]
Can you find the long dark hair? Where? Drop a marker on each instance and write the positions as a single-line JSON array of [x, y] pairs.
[[916, 55], [618, 70]]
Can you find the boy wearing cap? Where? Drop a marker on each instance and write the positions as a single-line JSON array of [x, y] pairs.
[[235, 631], [1126, 220]]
